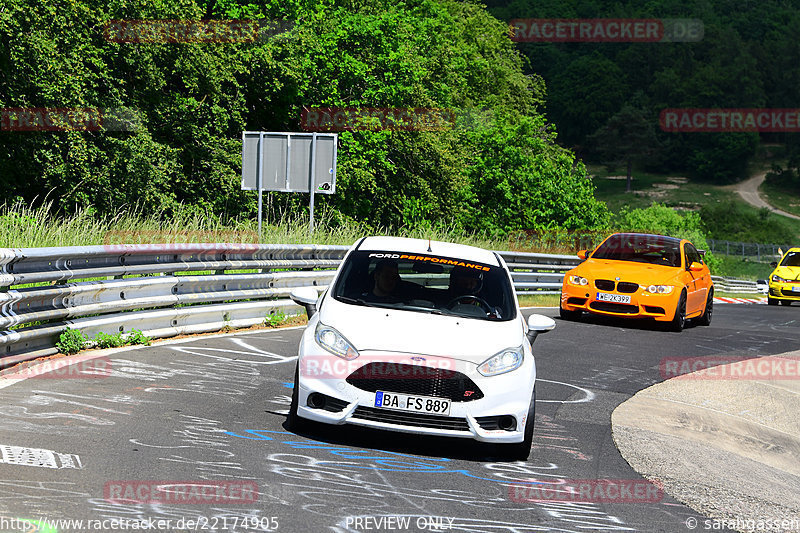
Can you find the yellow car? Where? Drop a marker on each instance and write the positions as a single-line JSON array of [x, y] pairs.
[[636, 275], [784, 282]]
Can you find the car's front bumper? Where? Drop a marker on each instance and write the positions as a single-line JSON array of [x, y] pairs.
[[660, 307], [785, 291], [506, 394]]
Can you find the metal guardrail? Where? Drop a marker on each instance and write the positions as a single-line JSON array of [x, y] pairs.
[[158, 289], [723, 284]]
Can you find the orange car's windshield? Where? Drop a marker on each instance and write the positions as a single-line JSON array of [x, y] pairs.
[[652, 249]]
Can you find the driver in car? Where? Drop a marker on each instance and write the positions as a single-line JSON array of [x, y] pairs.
[[465, 285], [464, 282]]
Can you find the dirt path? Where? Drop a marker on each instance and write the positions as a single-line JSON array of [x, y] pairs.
[[748, 190]]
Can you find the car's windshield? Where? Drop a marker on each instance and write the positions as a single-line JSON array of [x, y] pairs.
[[792, 259], [426, 284], [653, 249]]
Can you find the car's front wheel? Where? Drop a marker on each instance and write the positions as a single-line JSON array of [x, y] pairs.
[[679, 320], [519, 451], [771, 301]]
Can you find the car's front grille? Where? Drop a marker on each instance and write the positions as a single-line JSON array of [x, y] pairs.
[[604, 284], [610, 307], [627, 287], [654, 309], [417, 380], [410, 419], [790, 293]]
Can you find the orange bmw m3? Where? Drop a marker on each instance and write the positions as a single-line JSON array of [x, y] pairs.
[[636, 275]]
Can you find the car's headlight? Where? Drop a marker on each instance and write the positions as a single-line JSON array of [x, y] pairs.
[[578, 280], [660, 289], [776, 277], [503, 362], [335, 343]]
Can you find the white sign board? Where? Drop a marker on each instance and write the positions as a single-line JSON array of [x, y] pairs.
[[286, 161]]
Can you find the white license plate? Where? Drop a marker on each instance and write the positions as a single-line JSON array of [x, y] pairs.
[[416, 404], [796, 288], [616, 298]]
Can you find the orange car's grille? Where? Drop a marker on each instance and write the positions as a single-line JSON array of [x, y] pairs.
[[604, 284], [610, 307], [627, 287]]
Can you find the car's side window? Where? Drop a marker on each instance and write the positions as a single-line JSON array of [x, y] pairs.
[[692, 255]]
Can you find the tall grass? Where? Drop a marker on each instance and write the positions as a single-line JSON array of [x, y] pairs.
[[23, 226]]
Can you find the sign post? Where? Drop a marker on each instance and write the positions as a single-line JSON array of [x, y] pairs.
[[289, 162]]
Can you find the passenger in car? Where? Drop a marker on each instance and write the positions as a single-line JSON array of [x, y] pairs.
[[386, 283]]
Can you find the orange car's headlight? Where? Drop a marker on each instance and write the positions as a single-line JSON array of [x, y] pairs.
[[578, 280], [660, 289]]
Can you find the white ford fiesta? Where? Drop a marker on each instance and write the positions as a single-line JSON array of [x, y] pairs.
[[420, 337]]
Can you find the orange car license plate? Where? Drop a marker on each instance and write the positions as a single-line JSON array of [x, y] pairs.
[[616, 298]]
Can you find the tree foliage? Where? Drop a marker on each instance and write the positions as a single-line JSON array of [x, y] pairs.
[[747, 58], [498, 170]]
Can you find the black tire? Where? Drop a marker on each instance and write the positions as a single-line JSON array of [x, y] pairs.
[[771, 301], [295, 422], [519, 451], [569, 315], [786, 302], [705, 318], [679, 320]]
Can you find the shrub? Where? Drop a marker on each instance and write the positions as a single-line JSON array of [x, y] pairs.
[[71, 341], [104, 340], [663, 220], [137, 337]]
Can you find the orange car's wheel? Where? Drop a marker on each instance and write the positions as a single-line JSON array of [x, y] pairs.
[[679, 320], [705, 318]]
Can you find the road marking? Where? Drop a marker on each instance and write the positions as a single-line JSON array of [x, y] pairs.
[[18, 455]]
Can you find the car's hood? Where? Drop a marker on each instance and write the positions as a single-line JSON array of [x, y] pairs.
[[641, 273], [390, 330], [787, 272]]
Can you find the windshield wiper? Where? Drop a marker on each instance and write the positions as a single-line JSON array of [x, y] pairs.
[[356, 301]]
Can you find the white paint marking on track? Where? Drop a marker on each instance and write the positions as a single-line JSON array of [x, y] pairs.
[[588, 395], [18, 455]]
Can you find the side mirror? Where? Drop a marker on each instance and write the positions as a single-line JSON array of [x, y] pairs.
[[539, 324], [696, 267], [307, 297], [584, 254], [774, 264]]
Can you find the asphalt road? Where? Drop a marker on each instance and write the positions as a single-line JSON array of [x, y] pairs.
[[215, 409]]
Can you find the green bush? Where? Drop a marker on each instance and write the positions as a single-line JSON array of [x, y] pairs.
[[663, 220], [71, 341], [137, 337], [734, 222], [275, 319], [104, 340]]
